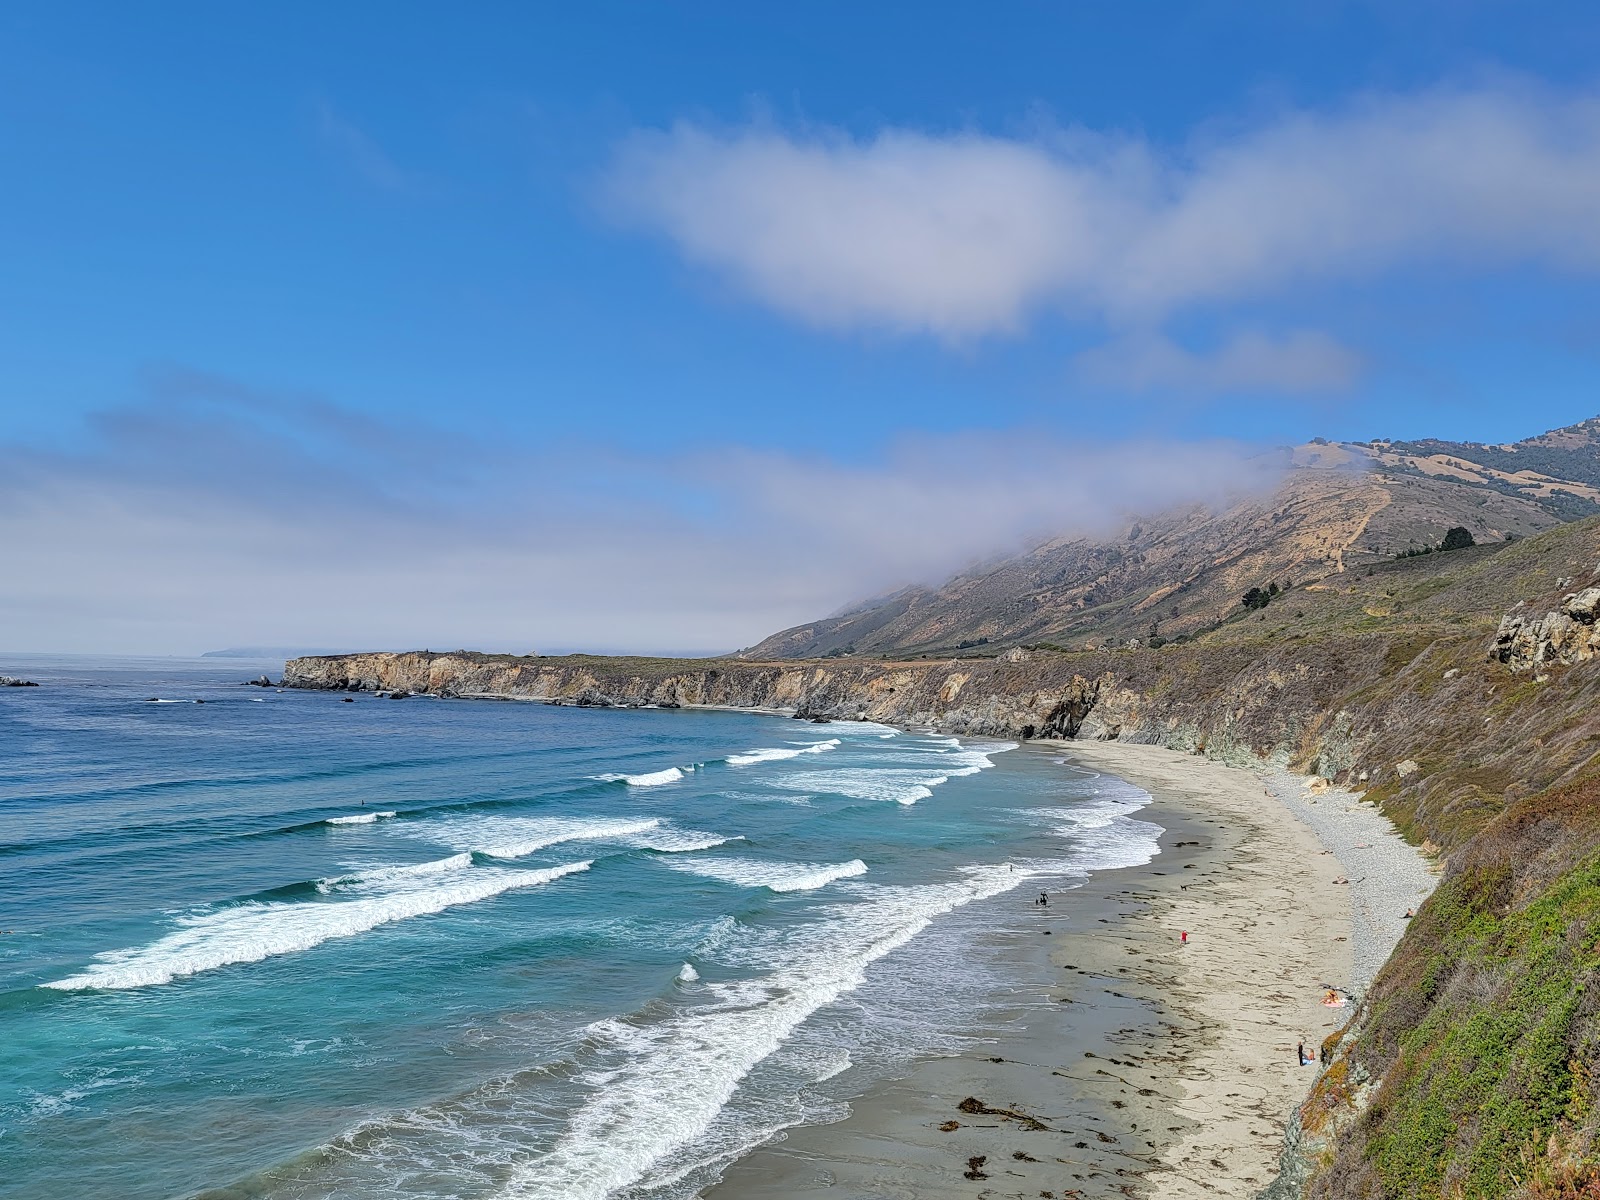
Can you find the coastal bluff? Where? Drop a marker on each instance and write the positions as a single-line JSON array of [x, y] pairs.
[[1027, 696]]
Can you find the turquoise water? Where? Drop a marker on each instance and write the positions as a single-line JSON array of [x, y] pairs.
[[279, 945]]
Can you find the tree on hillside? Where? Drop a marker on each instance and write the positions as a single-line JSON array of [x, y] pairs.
[[1457, 538]]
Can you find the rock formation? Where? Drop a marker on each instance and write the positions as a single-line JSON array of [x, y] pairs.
[[1567, 635]]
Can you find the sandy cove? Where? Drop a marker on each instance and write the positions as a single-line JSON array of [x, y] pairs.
[[1267, 935], [1151, 1067]]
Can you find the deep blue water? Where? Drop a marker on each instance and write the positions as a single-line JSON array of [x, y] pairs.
[[280, 945]]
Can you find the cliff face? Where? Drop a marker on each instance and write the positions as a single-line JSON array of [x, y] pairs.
[[1566, 635], [1005, 700]]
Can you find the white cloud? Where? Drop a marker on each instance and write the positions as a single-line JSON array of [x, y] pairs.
[[1251, 361], [215, 516], [967, 234]]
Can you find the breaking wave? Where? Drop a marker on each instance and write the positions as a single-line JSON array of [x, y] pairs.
[[367, 877], [679, 841], [778, 753], [257, 930], [517, 837], [774, 876]]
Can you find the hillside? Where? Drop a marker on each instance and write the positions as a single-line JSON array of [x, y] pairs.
[[1457, 690], [1176, 575], [1423, 659]]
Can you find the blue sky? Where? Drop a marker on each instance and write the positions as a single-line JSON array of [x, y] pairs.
[[605, 237]]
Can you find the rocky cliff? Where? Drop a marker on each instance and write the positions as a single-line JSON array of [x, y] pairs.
[[1566, 635], [1024, 697]]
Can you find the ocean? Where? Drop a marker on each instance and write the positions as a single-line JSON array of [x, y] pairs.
[[257, 943]]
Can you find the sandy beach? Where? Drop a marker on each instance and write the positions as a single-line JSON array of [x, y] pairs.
[[1137, 1064]]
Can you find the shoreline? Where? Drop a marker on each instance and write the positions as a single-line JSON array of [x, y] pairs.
[[1156, 1068]]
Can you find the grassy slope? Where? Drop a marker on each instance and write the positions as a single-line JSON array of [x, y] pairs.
[[1483, 1029]]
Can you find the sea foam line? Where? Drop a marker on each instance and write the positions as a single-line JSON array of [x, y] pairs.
[[677, 1076], [517, 837], [774, 876], [256, 930], [778, 753], [655, 778], [647, 778], [680, 841], [368, 876], [366, 818]]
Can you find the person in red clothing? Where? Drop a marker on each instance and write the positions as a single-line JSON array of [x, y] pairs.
[[1183, 938]]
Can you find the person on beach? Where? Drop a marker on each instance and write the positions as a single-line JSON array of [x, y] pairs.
[[1044, 898], [1183, 938], [1300, 1053]]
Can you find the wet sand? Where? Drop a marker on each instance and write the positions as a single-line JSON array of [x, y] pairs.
[[1132, 1064]]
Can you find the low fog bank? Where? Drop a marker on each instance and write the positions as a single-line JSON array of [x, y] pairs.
[[212, 515]]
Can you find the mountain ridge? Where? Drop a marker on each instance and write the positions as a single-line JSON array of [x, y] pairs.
[[1176, 574]]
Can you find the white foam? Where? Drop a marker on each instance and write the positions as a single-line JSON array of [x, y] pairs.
[[256, 930], [1103, 834], [371, 876], [679, 841], [688, 974], [865, 783], [515, 837], [655, 778], [774, 876], [778, 753], [677, 1075], [899, 784], [366, 818]]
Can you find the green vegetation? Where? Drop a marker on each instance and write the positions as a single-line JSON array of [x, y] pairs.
[[1484, 1026], [1505, 1061], [1457, 537], [1260, 597]]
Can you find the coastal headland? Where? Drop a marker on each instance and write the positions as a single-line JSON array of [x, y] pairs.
[[1453, 692]]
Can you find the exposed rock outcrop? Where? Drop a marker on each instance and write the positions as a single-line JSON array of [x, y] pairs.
[[14, 681], [1567, 635]]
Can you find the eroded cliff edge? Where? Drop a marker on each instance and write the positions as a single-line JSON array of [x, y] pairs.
[[1030, 696]]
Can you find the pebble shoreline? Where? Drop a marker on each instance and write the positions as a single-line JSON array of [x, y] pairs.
[[1387, 874]]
